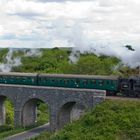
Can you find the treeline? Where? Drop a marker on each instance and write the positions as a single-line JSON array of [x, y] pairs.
[[58, 60]]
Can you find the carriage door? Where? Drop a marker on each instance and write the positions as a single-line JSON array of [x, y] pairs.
[[131, 84]]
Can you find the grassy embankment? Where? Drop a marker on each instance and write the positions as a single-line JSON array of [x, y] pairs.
[[111, 120]]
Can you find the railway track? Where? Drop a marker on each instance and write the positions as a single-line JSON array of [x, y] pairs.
[[122, 98]]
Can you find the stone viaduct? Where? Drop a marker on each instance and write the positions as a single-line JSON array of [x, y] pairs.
[[64, 104]]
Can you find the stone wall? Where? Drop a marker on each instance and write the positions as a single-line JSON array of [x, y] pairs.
[[64, 104]]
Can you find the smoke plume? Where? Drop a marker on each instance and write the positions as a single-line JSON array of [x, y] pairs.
[[10, 62], [33, 52]]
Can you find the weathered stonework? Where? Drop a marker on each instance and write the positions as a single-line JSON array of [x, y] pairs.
[[64, 104]]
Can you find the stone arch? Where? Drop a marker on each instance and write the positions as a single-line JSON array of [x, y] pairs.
[[69, 111], [3, 109], [29, 111]]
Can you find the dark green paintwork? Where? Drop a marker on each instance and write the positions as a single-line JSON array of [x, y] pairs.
[[22, 80], [103, 84]]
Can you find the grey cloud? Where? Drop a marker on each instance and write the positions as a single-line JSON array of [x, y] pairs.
[[62, 0], [7, 37], [27, 15]]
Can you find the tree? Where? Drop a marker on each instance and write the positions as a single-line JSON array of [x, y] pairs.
[[129, 47]]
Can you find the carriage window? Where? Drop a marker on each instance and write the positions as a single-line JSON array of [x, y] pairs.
[[12, 78], [112, 83], [57, 81], [77, 81], [93, 82], [66, 82], [41, 79], [107, 82], [5, 77], [18, 78], [101, 82], [85, 82]]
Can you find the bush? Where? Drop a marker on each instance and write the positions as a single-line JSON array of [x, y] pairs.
[[6, 128], [9, 113]]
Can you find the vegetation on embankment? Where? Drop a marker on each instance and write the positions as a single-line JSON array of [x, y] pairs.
[[8, 129], [111, 120]]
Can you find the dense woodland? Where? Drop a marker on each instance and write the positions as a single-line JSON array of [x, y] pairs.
[[58, 60]]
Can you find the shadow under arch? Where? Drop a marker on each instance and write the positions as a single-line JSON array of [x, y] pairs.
[[29, 114], [71, 110], [4, 112]]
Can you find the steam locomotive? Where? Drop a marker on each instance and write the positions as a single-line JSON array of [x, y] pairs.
[[112, 84], [130, 86]]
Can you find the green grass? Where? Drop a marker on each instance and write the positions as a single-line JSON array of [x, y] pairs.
[[111, 120], [8, 130]]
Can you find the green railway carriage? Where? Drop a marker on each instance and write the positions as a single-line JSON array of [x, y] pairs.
[[18, 78], [109, 83]]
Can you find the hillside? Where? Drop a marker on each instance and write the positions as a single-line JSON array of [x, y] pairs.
[[119, 120]]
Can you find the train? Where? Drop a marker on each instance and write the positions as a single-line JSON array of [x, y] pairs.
[[114, 85]]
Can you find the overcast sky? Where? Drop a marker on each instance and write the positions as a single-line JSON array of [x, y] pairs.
[[50, 23], [102, 26]]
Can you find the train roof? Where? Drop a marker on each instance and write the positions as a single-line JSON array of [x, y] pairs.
[[17, 74], [80, 76], [60, 75]]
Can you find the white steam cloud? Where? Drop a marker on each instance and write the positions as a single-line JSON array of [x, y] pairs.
[[10, 62], [33, 53], [128, 57]]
